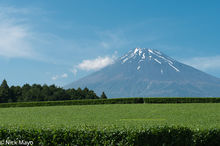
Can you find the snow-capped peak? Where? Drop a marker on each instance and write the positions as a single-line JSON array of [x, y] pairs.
[[141, 55], [136, 50]]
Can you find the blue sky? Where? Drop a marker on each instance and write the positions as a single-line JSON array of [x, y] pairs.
[[57, 42]]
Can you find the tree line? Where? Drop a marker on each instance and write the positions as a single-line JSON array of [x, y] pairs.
[[37, 92]]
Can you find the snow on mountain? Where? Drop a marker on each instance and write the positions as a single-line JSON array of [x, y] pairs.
[[146, 72], [144, 54]]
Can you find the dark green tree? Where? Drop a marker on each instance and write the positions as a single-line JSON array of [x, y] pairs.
[[37, 92], [103, 96], [91, 95], [86, 94], [72, 94], [60, 94], [4, 91], [16, 93], [25, 92], [34, 94], [46, 93], [79, 93]]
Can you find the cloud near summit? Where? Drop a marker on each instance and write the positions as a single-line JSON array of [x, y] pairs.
[[96, 64]]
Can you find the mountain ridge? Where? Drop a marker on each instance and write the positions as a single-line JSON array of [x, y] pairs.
[[148, 72]]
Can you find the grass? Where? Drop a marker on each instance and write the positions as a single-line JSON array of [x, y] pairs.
[[201, 115]]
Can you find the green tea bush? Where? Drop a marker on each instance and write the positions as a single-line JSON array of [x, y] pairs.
[[74, 102], [112, 101], [181, 100], [171, 136]]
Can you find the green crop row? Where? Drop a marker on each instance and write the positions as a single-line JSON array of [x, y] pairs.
[[112, 101], [74, 102], [182, 100], [86, 136]]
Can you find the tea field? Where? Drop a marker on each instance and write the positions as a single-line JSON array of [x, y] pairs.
[[193, 115]]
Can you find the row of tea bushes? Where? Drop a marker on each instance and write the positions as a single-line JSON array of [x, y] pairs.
[[88, 136], [182, 100], [74, 102], [112, 101]]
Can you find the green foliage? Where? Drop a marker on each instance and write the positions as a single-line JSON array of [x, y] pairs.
[[114, 124], [182, 100], [37, 92], [4, 92], [16, 93], [203, 115], [103, 96], [74, 102], [65, 101], [87, 136]]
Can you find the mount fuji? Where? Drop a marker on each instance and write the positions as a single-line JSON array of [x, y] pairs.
[[150, 73]]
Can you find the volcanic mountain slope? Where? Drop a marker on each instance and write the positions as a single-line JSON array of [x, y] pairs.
[[150, 73]]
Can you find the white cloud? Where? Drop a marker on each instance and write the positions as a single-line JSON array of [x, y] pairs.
[[13, 42], [204, 63], [56, 77], [64, 75], [96, 64], [14, 36]]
